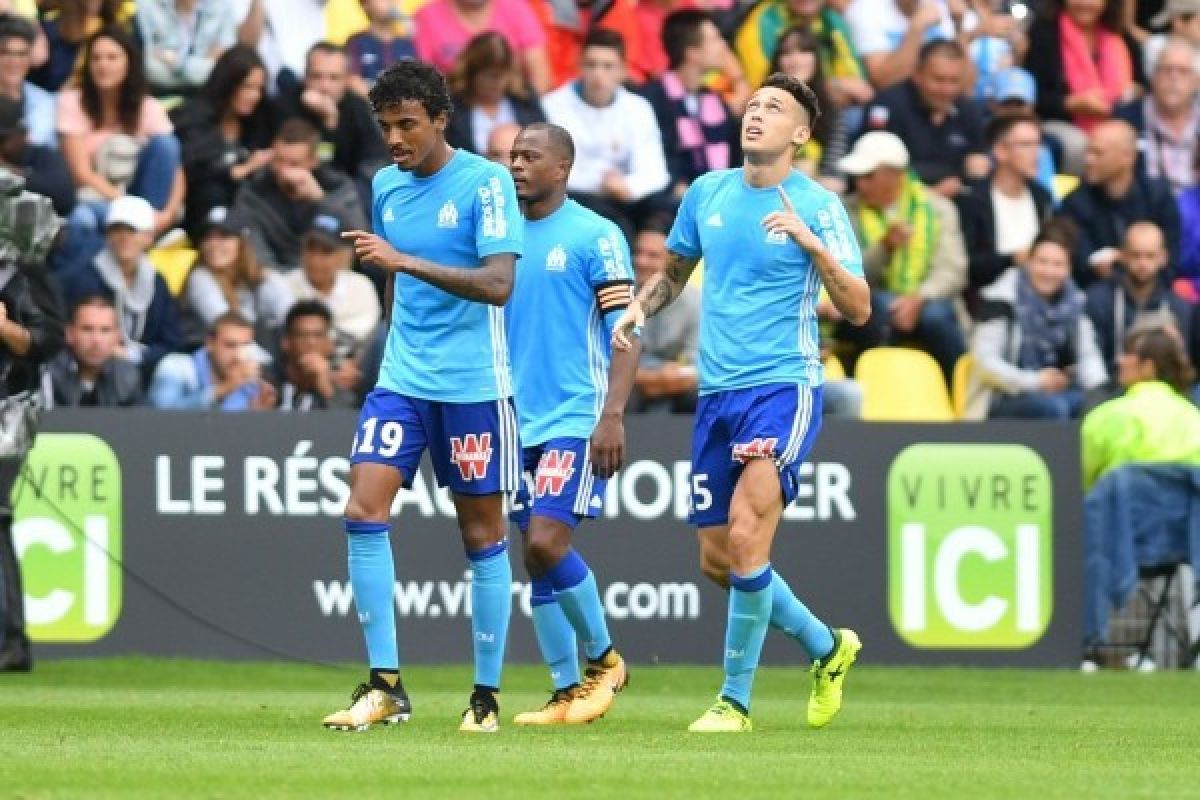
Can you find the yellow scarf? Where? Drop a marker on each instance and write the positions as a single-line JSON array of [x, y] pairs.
[[910, 264]]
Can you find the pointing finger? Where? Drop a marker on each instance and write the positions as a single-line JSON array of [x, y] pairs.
[[783, 198], [354, 234]]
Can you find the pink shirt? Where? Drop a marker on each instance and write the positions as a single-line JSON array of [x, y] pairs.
[[72, 120], [441, 34]]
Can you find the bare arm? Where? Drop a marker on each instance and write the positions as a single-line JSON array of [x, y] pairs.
[[608, 439], [251, 30], [491, 283], [658, 293]]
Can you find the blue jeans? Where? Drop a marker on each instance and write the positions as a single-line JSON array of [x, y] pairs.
[[1039, 405], [158, 162], [937, 330]]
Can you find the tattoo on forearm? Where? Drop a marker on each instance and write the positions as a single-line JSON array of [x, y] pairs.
[[490, 284], [662, 290]]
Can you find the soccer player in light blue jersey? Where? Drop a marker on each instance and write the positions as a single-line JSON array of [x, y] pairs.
[[770, 238], [448, 230], [572, 283]]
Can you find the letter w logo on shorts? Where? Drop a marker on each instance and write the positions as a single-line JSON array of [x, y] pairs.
[[757, 448], [472, 453], [554, 471]]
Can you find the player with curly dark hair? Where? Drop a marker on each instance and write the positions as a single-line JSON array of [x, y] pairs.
[[448, 230]]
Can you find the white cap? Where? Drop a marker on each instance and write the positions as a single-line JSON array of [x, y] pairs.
[[874, 150], [133, 211]]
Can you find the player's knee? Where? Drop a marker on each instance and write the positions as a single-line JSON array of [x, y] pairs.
[[480, 535], [545, 546], [357, 510], [743, 540]]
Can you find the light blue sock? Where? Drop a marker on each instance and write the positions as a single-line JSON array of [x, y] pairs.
[[576, 592], [373, 581], [793, 618], [491, 606], [555, 636], [749, 616]]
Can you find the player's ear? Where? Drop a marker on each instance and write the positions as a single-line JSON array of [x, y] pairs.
[[441, 121]]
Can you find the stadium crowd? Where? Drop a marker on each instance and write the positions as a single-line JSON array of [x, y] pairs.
[[1022, 179]]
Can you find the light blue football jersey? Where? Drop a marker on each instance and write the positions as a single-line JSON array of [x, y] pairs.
[[759, 303], [441, 347], [572, 283]]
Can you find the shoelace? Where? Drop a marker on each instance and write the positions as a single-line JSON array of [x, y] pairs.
[[593, 678], [559, 697], [358, 693]]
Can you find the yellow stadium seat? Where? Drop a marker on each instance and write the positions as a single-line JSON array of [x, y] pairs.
[[962, 385], [1064, 185], [834, 371], [174, 262], [900, 384]]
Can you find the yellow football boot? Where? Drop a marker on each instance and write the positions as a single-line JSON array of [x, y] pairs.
[[825, 700], [553, 713], [601, 682], [723, 717], [370, 706]]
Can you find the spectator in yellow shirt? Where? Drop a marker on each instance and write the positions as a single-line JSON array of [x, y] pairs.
[[1153, 421]]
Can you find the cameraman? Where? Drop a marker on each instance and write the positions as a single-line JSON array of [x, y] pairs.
[[31, 332]]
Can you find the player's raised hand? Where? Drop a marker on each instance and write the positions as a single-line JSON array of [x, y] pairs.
[[376, 250], [628, 327], [788, 222]]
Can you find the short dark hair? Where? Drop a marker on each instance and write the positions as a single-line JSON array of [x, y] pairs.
[[1057, 230], [1002, 126], [14, 26], [681, 30], [232, 319], [92, 301], [947, 48], [602, 37], [805, 96], [328, 48], [307, 308], [560, 138], [412, 80], [658, 222], [298, 130]]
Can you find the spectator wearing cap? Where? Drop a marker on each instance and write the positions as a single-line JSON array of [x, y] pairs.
[[350, 139], [913, 252], [43, 168], [278, 203], [17, 39], [699, 132], [1085, 69], [228, 277], [1168, 118], [149, 317], [325, 275], [1113, 195], [307, 376], [620, 171], [1181, 18], [760, 34], [225, 133], [182, 40], [942, 128], [1014, 93], [1002, 214], [225, 374], [88, 372]]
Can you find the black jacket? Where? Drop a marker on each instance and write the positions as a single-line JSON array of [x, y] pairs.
[[119, 383], [208, 157], [679, 165], [977, 216], [1114, 313], [358, 147], [937, 152], [1102, 221], [30, 298], [460, 132]]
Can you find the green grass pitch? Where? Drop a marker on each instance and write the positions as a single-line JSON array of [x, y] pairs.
[[182, 729]]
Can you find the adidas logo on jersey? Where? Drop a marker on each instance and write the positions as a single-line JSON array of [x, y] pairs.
[[448, 216], [715, 221], [556, 259], [389, 215]]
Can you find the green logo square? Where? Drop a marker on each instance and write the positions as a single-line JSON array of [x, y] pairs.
[[67, 532], [970, 546]]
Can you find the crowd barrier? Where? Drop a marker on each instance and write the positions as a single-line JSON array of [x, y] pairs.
[[214, 536]]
